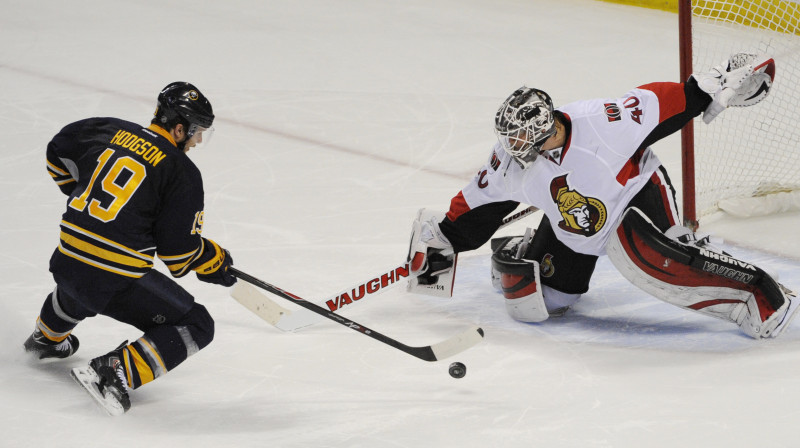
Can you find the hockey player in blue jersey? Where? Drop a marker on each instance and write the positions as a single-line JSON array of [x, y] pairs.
[[132, 194]]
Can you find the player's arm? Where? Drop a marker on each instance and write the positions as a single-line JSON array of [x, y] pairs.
[[678, 104], [180, 244], [62, 150], [471, 229], [745, 80], [478, 210], [475, 213], [436, 240]]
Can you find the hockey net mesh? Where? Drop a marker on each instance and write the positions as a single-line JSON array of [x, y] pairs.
[[754, 151]]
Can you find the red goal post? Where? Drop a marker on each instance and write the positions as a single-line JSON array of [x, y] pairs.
[[746, 162]]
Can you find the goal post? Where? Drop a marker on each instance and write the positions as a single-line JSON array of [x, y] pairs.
[[747, 161]]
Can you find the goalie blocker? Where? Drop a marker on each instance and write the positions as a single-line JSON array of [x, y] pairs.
[[698, 279], [431, 258]]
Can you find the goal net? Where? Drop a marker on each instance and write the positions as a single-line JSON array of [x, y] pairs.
[[747, 161]]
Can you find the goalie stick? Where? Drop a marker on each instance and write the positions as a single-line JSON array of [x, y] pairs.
[[435, 352], [292, 320]]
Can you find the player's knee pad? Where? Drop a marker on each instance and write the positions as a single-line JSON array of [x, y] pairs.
[[698, 279], [196, 328], [519, 280]]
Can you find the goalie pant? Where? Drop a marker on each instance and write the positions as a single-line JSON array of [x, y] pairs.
[[698, 279]]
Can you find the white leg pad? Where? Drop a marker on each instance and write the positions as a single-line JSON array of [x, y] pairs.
[[697, 279], [523, 298]]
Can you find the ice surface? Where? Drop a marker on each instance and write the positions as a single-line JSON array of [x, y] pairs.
[[336, 122]]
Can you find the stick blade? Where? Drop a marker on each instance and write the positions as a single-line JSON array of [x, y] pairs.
[[457, 343], [252, 299]]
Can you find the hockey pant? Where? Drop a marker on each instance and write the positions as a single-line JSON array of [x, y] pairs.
[[174, 326]]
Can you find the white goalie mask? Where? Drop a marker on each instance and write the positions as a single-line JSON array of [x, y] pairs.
[[523, 123]]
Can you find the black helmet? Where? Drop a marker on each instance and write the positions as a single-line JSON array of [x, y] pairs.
[[181, 102]]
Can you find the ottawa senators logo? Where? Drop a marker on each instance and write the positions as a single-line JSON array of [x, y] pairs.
[[546, 268], [582, 215]]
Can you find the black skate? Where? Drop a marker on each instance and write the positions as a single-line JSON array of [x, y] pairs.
[[42, 347], [104, 379]]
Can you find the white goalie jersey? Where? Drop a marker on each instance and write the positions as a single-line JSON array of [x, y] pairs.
[[585, 186]]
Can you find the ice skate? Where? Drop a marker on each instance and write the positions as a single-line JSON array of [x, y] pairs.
[[104, 380], [43, 348]]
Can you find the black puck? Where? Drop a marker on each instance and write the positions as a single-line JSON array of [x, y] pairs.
[[458, 370]]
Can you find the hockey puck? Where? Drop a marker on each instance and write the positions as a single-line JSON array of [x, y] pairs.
[[458, 370]]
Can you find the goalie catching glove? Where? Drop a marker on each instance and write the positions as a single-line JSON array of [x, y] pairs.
[[431, 259], [212, 266], [743, 80]]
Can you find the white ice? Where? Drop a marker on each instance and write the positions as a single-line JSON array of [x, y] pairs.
[[337, 120]]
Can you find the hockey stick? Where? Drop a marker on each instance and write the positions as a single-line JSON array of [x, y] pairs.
[[291, 320], [435, 352], [287, 320]]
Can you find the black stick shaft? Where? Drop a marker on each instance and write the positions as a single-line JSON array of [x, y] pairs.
[[424, 353]]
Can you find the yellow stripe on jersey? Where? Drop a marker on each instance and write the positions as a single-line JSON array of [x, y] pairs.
[[91, 249], [166, 258], [178, 269], [177, 264], [99, 265], [97, 237], [56, 169]]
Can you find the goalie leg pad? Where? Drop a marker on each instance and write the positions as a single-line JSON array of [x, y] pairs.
[[698, 279], [522, 293], [518, 279]]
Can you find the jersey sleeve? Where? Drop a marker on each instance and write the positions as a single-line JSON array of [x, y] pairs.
[[678, 104], [477, 211], [179, 224], [475, 227], [61, 155]]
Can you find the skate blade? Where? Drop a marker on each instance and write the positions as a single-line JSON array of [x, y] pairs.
[[87, 378]]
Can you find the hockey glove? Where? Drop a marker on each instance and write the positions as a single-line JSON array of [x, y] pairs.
[[215, 269], [743, 80], [430, 253]]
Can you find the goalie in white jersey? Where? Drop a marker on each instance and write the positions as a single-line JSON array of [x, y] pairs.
[[589, 167]]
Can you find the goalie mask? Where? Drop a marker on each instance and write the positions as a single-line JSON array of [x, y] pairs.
[[182, 103], [523, 123]]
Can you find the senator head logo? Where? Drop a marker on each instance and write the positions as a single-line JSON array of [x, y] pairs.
[[581, 215]]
